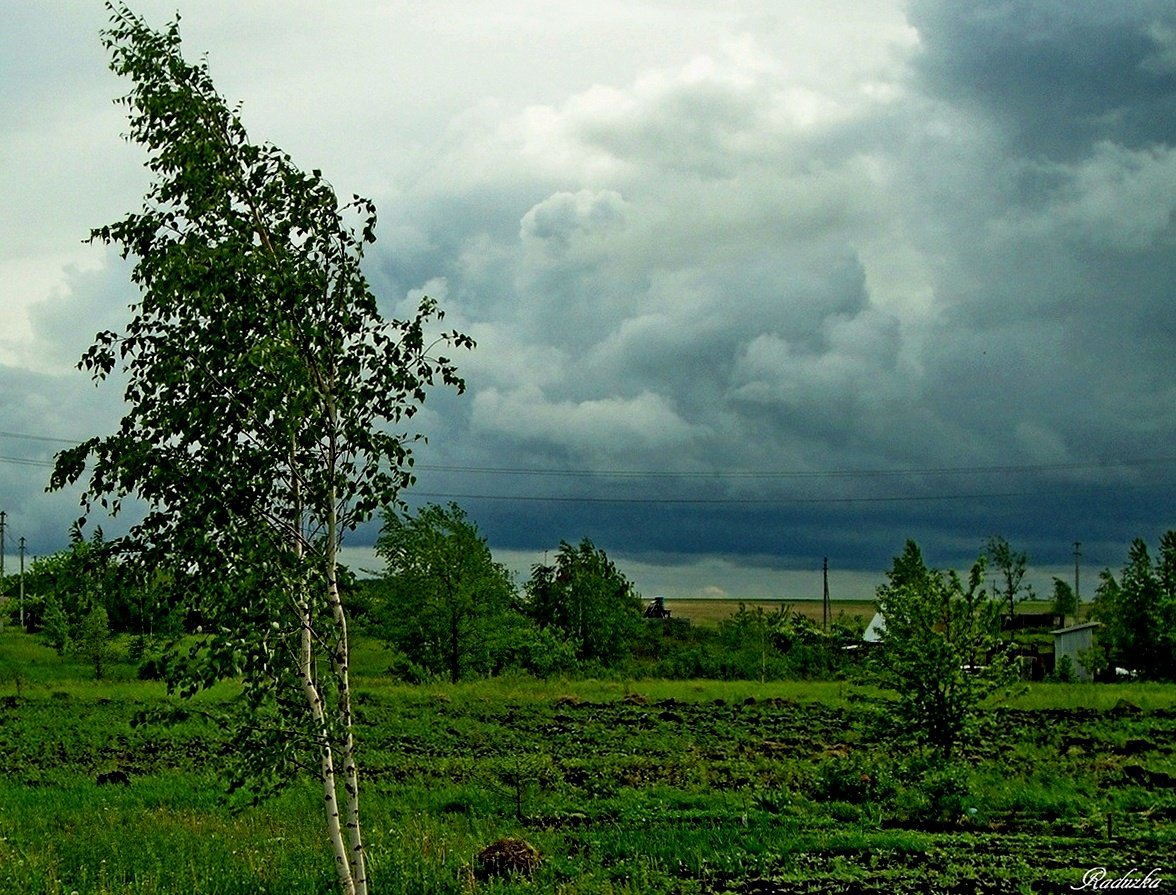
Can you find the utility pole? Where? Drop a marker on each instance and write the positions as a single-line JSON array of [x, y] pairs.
[[22, 556], [825, 599], [1077, 556], [3, 525]]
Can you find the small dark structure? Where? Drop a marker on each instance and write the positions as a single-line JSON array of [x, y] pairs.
[[1027, 620], [657, 608], [1033, 665]]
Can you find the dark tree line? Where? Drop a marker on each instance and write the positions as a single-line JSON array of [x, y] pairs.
[[1138, 611], [447, 607]]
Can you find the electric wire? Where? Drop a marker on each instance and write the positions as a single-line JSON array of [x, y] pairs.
[[726, 475]]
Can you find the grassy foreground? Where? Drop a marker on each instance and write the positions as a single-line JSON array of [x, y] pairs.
[[624, 787]]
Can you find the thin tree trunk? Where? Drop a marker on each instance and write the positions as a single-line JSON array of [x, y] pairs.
[[344, 866], [356, 857], [341, 666], [327, 767]]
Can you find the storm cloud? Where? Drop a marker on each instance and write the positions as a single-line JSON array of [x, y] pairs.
[[785, 286]]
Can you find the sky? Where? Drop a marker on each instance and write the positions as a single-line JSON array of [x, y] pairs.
[[753, 284]]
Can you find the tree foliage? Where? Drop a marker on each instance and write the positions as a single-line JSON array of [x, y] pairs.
[[1065, 601], [94, 640], [1138, 611], [62, 588], [1011, 566], [74, 580], [588, 600], [446, 596], [265, 396], [940, 649]]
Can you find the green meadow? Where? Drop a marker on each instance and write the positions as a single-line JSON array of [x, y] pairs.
[[623, 786]]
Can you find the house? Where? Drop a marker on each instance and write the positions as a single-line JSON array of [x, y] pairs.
[[1074, 642]]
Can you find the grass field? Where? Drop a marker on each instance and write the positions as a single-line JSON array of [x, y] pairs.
[[710, 612], [704, 611], [623, 786]]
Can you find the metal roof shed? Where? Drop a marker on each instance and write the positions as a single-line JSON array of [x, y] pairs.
[[1074, 641]]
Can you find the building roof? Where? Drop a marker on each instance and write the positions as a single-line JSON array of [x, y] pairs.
[[1081, 627], [875, 629]]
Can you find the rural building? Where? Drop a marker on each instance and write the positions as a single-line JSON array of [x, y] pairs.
[[1074, 641], [657, 608], [1028, 620], [875, 629]]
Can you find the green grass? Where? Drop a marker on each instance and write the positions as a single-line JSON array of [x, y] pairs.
[[624, 786], [1100, 697]]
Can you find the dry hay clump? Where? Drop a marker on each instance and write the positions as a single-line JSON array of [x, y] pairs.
[[506, 857]]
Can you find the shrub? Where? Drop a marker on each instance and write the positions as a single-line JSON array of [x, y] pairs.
[[941, 649], [940, 791]]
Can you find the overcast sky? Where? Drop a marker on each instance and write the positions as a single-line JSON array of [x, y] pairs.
[[753, 284]]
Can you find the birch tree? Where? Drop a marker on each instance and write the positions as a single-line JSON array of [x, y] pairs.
[[267, 401]]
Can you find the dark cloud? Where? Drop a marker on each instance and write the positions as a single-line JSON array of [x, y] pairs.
[[1060, 75], [778, 300]]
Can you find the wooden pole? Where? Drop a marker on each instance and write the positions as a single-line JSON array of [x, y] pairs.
[[825, 598]]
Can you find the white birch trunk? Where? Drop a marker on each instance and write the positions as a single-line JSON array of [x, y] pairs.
[[327, 767], [343, 680], [340, 664], [314, 699]]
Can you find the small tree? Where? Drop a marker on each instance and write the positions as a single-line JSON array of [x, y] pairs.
[[940, 649], [94, 640], [445, 591], [1065, 601], [55, 624], [75, 579], [1011, 566], [265, 395], [586, 598]]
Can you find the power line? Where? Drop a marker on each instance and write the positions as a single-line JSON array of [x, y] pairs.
[[721, 473], [26, 461], [766, 501], [728, 475], [788, 474], [27, 437]]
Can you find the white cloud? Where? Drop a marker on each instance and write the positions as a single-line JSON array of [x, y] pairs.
[[614, 424], [1118, 199]]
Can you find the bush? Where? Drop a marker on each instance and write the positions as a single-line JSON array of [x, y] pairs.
[[857, 777], [404, 669], [520, 645], [152, 669], [940, 791], [55, 626], [1063, 672]]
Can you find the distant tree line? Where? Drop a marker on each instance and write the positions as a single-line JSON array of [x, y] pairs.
[[1138, 612], [444, 607]]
